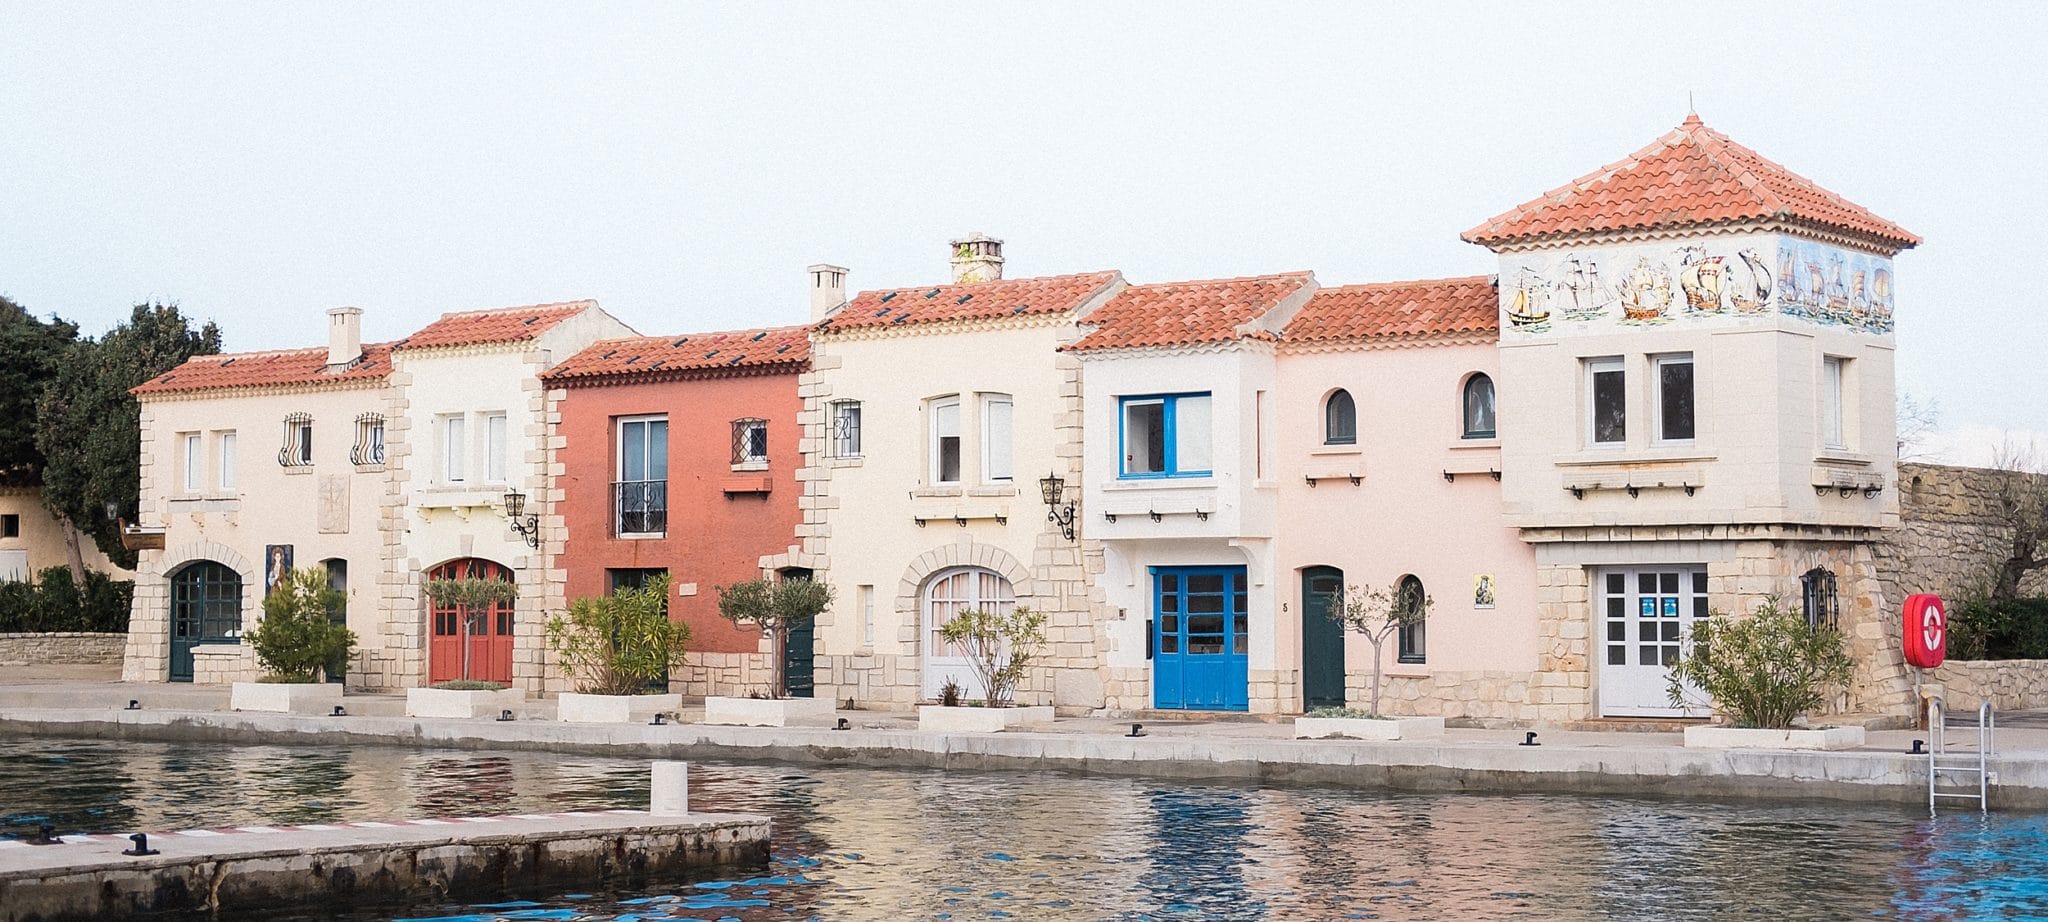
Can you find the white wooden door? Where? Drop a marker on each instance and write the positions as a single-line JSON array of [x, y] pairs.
[[947, 595], [1645, 615]]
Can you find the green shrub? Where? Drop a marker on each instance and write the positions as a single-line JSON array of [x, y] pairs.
[[775, 606], [1999, 629], [1352, 713], [1000, 647], [468, 685], [296, 638], [53, 602], [620, 644], [1763, 670]]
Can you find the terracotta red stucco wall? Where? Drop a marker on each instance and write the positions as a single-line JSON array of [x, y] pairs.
[[713, 538]]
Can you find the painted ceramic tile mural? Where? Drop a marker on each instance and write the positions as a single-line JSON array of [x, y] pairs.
[[1829, 285]]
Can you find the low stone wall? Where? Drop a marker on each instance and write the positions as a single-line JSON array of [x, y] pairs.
[[61, 649], [730, 674], [2011, 684], [1488, 698]]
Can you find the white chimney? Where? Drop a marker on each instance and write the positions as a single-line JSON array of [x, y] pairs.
[[977, 257], [828, 290], [344, 337]]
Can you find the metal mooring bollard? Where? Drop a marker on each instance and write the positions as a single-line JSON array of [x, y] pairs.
[[46, 834], [660, 720], [1137, 730], [505, 715], [1919, 748], [141, 840], [1529, 739], [339, 711], [669, 792], [134, 705], [843, 725]]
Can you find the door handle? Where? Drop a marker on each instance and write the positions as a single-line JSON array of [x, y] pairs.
[[1151, 637]]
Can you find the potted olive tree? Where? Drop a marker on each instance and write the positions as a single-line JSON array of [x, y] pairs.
[[620, 649], [1763, 674], [465, 697], [773, 606], [1000, 648], [1377, 615], [296, 642]]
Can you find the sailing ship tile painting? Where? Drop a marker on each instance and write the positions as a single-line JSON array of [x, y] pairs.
[[1730, 277]]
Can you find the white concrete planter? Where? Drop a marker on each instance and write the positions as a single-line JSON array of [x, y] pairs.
[[285, 698], [576, 707], [980, 720], [1742, 738], [443, 702], [1367, 728], [770, 712]]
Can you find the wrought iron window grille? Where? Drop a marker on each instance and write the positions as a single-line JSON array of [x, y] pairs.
[[297, 450]]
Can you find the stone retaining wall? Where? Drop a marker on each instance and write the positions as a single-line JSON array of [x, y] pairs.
[[2011, 684], [1953, 533], [62, 649]]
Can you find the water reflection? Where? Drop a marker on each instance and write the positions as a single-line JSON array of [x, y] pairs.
[[870, 843]]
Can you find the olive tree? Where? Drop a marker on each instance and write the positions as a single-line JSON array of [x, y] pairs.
[[775, 606], [1379, 614]]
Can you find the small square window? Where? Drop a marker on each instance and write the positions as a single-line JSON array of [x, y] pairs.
[[10, 526], [750, 441]]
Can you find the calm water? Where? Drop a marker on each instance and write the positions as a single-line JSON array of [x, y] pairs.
[[903, 845]]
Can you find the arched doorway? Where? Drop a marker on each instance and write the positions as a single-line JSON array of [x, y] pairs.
[[947, 595], [206, 607], [1322, 638], [469, 643]]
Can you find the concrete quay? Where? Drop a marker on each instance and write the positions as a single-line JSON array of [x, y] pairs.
[[1464, 760], [88, 877]]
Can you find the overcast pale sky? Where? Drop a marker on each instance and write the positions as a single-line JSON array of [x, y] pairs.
[[682, 163]]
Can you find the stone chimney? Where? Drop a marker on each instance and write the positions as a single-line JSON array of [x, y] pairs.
[[977, 258], [828, 290], [344, 337]]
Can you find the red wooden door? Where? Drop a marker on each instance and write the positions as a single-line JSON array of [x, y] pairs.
[[466, 643]]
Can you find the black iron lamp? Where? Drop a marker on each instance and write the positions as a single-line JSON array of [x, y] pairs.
[[1053, 487], [528, 526]]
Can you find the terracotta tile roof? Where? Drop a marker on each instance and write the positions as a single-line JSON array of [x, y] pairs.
[[608, 361], [1693, 175], [1052, 294], [266, 369], [1399, 310], [502, 325], [1186, 313]]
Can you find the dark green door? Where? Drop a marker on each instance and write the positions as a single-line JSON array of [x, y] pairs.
[[798, 652], [1322, 639]]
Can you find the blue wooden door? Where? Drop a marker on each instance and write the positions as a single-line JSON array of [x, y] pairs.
[[1201, 639]]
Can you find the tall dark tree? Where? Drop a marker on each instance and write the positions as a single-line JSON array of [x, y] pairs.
[[89, 427], [30, 351]]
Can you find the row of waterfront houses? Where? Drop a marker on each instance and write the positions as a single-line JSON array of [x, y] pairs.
[[1674, 397]]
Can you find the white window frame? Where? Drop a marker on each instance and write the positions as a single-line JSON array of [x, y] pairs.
[[747, 459], [867, 614], [224, 472], [195, 461], [1657, 365], [936, 441], [497, 428], [1594, 367], [619, 427], [1834, 418], [845, 433], [991, 438], [454, 447]]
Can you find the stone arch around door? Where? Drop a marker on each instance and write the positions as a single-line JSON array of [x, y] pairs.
[[184, 558], [467, 643], [910, 589]]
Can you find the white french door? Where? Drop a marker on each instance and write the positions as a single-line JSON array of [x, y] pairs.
[[1645, 615]]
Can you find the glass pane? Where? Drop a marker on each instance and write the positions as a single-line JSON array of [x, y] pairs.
[[1205, 644], [1617, 655], [1169, 624], [1699, 606], [1646, 630], [1169, 603], [1169, 643], [1340, 419], [1144, 437], [1241, 624], [949, 459], [996, 439], [1617, 607], [1831, 403], [1205, 624], [1617, 630], [1617, 583], [1646, 582], [1610, 407], [1205, 582], [1205, 603], [657, 450], [1169, 582], [1649, 655], [1670, 656], [1668, 582], [1670, 631], [1241, 646], [1674, 387], [1479, 407], [1191, 433], [1237, 603]]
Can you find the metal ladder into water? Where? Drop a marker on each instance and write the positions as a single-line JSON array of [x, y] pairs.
[[1969, 769]]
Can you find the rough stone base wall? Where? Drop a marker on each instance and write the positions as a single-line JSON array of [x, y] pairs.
[[62, 649], [1488, 697], [224, 664], [724, 674], [2011, 684]]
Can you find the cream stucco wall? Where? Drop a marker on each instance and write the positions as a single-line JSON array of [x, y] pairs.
[[39, 543]]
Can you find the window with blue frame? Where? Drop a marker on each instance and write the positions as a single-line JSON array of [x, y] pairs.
[[1166, 435]]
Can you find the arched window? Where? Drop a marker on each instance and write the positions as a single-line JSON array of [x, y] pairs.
[[1340, 419], [206, 603], [1817, 598], [954, 591], [1409, 596], [1478, 415]]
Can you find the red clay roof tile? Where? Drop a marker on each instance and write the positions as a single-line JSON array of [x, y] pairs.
[[1693, 175], [1186, 313], [613, 361], [286, 368], [502, 325], [1398, 310], [1052, 294]]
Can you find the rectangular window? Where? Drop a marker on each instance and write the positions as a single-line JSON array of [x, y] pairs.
[[1607, 397], [454, 448], [1674, 398], [369, 447], [749, 441], [846, 429], [226, 469], [494, 448], [867, 614], [1831, 428], [945, 459], [1166, 436], [640, 491], [10, 526], [630, 579], [195, 463], [298, 441], [995, 438]]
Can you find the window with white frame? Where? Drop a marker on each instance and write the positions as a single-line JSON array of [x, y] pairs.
[[749, 441], [945, 444], [1606, 401], [1166, 435], [494, 448], [1674, 405], [867, 614], [454, 448], [996, 453], [1833, 432], [640, 490], [1478, 407], [224, 466], [298, 441], [369, 447], [195, 462], [845, 428]]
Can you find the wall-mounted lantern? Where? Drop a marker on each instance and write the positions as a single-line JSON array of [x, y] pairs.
[[1052, 486]]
